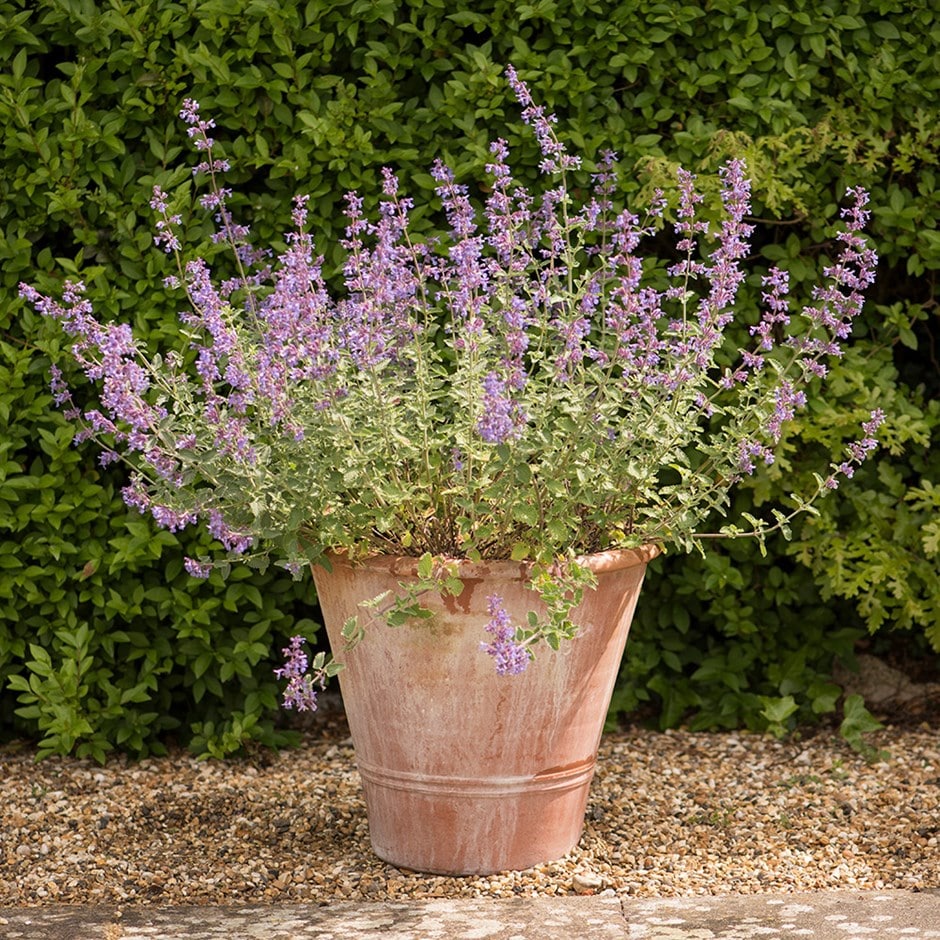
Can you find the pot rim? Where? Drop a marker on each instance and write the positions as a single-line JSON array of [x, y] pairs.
[[406, 566]]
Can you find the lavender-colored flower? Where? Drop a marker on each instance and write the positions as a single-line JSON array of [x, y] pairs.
[[135, 494], [857, 451], [511, 658], [60, 390], [572, 333], [208, 316], [875, 420], [549, 226], [301, 691], [234, 541], [749, 451], [687, 226], [554, 152], [511, 232], [502, 417], [455, 199], [173, 519], [198, 131], [692, 349], [516, 321], [752, 361], [724, 273], [107, 353], [299, 213], [197, 569], [165, 236], [375, 322], [840, 301], [296, 662], [465, 275], [787, 400], [604, 184], [777, 313], [299, 329], [159, 201]]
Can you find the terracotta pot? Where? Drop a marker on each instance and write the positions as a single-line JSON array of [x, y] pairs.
[[465, 771]]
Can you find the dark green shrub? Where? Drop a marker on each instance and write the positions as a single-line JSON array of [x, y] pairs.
[[117, 645], [716, 637]]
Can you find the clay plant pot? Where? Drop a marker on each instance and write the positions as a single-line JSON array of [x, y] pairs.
[[465, 771]]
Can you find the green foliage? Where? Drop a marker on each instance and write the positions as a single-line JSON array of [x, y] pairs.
[[878, 545], [732, 639], [316, 96], [858, 722]]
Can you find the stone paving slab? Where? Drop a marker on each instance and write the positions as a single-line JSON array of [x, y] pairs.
[[894, 915], [837, 915], [570, 918]]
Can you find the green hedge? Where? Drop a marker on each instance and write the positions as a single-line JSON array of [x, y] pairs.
[[106, 643]]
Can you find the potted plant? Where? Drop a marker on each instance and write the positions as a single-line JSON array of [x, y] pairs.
[[478, 440]]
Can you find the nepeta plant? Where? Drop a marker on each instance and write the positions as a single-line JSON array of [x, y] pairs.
[[512, 387]]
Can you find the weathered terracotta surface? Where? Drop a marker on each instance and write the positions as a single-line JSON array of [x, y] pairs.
[[465, 771]]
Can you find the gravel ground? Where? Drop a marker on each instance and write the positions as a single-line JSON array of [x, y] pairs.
[[671, 814]]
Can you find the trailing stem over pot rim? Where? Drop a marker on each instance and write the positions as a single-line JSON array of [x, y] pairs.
[[516, 385]]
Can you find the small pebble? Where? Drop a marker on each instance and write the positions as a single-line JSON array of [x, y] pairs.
[[585, 882]]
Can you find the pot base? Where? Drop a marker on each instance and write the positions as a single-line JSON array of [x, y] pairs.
[[475, 825]]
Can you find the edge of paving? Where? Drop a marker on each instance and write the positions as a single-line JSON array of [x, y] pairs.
[[850, 915]]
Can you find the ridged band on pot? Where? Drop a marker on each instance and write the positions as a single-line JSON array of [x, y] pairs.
[[465, 771]]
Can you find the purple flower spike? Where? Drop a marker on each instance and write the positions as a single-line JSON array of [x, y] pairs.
[[197, 569], [857, 451], [237, 542], [502, 417], [556, 157], [301, 691], [511, 658]]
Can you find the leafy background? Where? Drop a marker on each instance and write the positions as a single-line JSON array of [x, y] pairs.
[[106, 643]]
